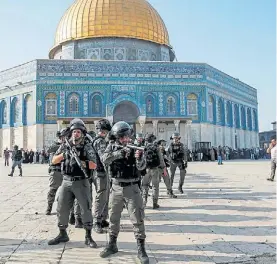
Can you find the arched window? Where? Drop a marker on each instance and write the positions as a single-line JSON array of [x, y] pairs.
[[29, 113], [229, 114], [15, 111], [149, 101], [211, 109], [73, 104], [221, 116], [192, 104], [237, 117], [4, 112], [249, 119], [243, 118], [51, 104], [96, 104], [171, 105], [255, 117]]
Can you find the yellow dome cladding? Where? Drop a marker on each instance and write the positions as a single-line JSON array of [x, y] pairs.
[[112, 18]]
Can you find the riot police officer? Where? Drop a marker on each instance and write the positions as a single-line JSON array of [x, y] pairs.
[[124, 164], [139, 140], [166, 178], [154, 165], [16, 160], [75, 181], [100, 178], [55, 179], [178, 158], [75, 216]]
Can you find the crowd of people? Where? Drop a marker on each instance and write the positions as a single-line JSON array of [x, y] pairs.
[[227, 153], [28, 156]]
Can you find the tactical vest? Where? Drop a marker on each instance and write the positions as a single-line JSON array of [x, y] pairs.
[[54, 150], [100, 167], [177, 153], [152, 156], [125, 168], [17, 155], [166, 161], [70, 167]]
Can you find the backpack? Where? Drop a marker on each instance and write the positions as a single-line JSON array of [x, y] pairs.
[[152, 156]]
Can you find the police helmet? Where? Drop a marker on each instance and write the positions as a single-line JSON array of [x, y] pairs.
[[78, 124], [103, 124], [161, 142], [92, 134], [121, 129], [64, 132], [150, 138], [139, 135], [176, 135]]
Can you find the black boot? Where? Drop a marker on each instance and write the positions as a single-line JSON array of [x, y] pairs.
[[155, 204], [89, 241], [49, 209], [171, 194], [142, 255], [62, 237], [11, 174], [20, 172], [104, 224], [72, 219], [110, 249], [79, 223], [98, 228], [180, 189]]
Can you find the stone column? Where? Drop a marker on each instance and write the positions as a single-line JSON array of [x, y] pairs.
[[155, 127], [142, 120], [1, 142], [59, 123], [110, 118], [189, 142], [177, 125]]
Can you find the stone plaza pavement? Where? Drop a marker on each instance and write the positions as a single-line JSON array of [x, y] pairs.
[[227, 215]]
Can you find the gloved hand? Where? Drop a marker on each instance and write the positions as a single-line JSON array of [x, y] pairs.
[[127, 152], [138, 154]]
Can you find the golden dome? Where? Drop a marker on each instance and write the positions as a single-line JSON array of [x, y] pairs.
[[111, 18]]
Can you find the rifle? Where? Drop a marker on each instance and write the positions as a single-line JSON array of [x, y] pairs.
[[89, 137], [73, 153], [130, 146]]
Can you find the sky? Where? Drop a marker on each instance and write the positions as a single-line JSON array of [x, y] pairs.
[[237, 37]]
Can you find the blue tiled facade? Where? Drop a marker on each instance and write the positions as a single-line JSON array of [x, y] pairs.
[[221, 99]]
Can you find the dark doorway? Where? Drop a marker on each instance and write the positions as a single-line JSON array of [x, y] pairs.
[[128, 112]]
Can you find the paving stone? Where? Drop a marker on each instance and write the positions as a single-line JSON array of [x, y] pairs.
[[226, 215]]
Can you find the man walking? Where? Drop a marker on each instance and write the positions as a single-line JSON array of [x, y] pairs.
[[17, 160]]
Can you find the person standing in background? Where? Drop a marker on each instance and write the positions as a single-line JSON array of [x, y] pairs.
[[272, 150]]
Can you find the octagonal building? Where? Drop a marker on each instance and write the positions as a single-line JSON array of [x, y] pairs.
[[113, 59]]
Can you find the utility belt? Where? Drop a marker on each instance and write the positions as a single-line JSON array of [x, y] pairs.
[[73, 179], [55, 169], [126, 184], [58, 169], [125, 173]]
